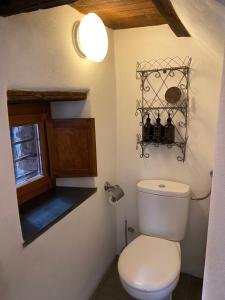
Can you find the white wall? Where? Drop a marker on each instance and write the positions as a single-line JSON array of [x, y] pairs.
[[214, 276], [205, 20], [67, 261], [159, 42]]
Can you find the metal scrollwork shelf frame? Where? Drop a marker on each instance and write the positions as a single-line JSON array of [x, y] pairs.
[[156, 77]]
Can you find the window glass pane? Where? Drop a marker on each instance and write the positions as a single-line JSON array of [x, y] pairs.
[[26, 152]]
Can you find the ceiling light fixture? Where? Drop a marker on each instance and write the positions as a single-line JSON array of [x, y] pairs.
[[90, 38]]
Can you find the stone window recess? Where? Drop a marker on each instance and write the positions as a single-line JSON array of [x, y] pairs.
[[44, 148]]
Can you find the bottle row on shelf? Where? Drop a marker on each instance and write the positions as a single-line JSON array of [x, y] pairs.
[[158, 133]]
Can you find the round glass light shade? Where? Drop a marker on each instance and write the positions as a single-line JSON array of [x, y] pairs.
[[91, 37]]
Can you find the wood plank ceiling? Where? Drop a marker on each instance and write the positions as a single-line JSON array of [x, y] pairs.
[[121, 14], [116, 14]]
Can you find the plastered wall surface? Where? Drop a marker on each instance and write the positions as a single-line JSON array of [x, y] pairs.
[[214, 276], [137, 45], [68, 260], [205, 20]]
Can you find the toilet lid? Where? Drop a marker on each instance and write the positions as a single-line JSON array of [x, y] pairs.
[[150, 263]]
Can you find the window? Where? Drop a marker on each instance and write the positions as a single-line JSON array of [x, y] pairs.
[[29, 150], [44, 149], [26, 153]]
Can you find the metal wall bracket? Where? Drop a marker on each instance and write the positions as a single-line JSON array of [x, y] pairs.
[[157, 76]]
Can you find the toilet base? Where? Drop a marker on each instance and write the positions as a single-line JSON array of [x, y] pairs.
[[165, 294], [168, 298]]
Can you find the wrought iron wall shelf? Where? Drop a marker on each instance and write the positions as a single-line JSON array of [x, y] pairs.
[[157, 77]]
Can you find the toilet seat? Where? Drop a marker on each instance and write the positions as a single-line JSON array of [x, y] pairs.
[[150, 264]]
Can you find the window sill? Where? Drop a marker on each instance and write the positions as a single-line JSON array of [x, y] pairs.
[[39, 214]]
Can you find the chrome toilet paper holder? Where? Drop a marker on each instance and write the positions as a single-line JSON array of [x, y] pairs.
[[107, 186], [115, 190]]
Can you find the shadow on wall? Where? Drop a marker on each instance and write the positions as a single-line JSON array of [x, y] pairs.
[[221, 2], [189, 254], [4, 287], [81, 109]]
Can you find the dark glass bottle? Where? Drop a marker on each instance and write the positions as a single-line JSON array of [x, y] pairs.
[[169, 131], [147, 130], [158, 131], [150, 132]]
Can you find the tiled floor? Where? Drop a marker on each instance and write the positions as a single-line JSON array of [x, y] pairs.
[[188, 288]]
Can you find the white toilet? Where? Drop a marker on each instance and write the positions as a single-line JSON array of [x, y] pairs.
[[149, 267]]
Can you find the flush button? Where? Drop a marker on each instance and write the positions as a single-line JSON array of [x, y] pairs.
[[161, 185]]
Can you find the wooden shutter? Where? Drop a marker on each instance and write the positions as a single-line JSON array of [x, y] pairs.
[[72, 147]]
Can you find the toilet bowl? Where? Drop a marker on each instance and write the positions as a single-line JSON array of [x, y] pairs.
[[149, 268]]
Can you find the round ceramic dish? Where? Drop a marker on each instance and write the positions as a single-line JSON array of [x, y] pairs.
[[173, 95]]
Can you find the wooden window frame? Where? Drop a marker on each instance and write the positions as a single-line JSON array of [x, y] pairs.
[[27, 115]]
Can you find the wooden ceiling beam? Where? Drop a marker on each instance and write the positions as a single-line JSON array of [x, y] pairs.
[[134, 22], [21, 96], [13, 7], [166, 9], [120, 14]]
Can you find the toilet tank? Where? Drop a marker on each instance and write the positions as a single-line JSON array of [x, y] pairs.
[[163, 208]]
